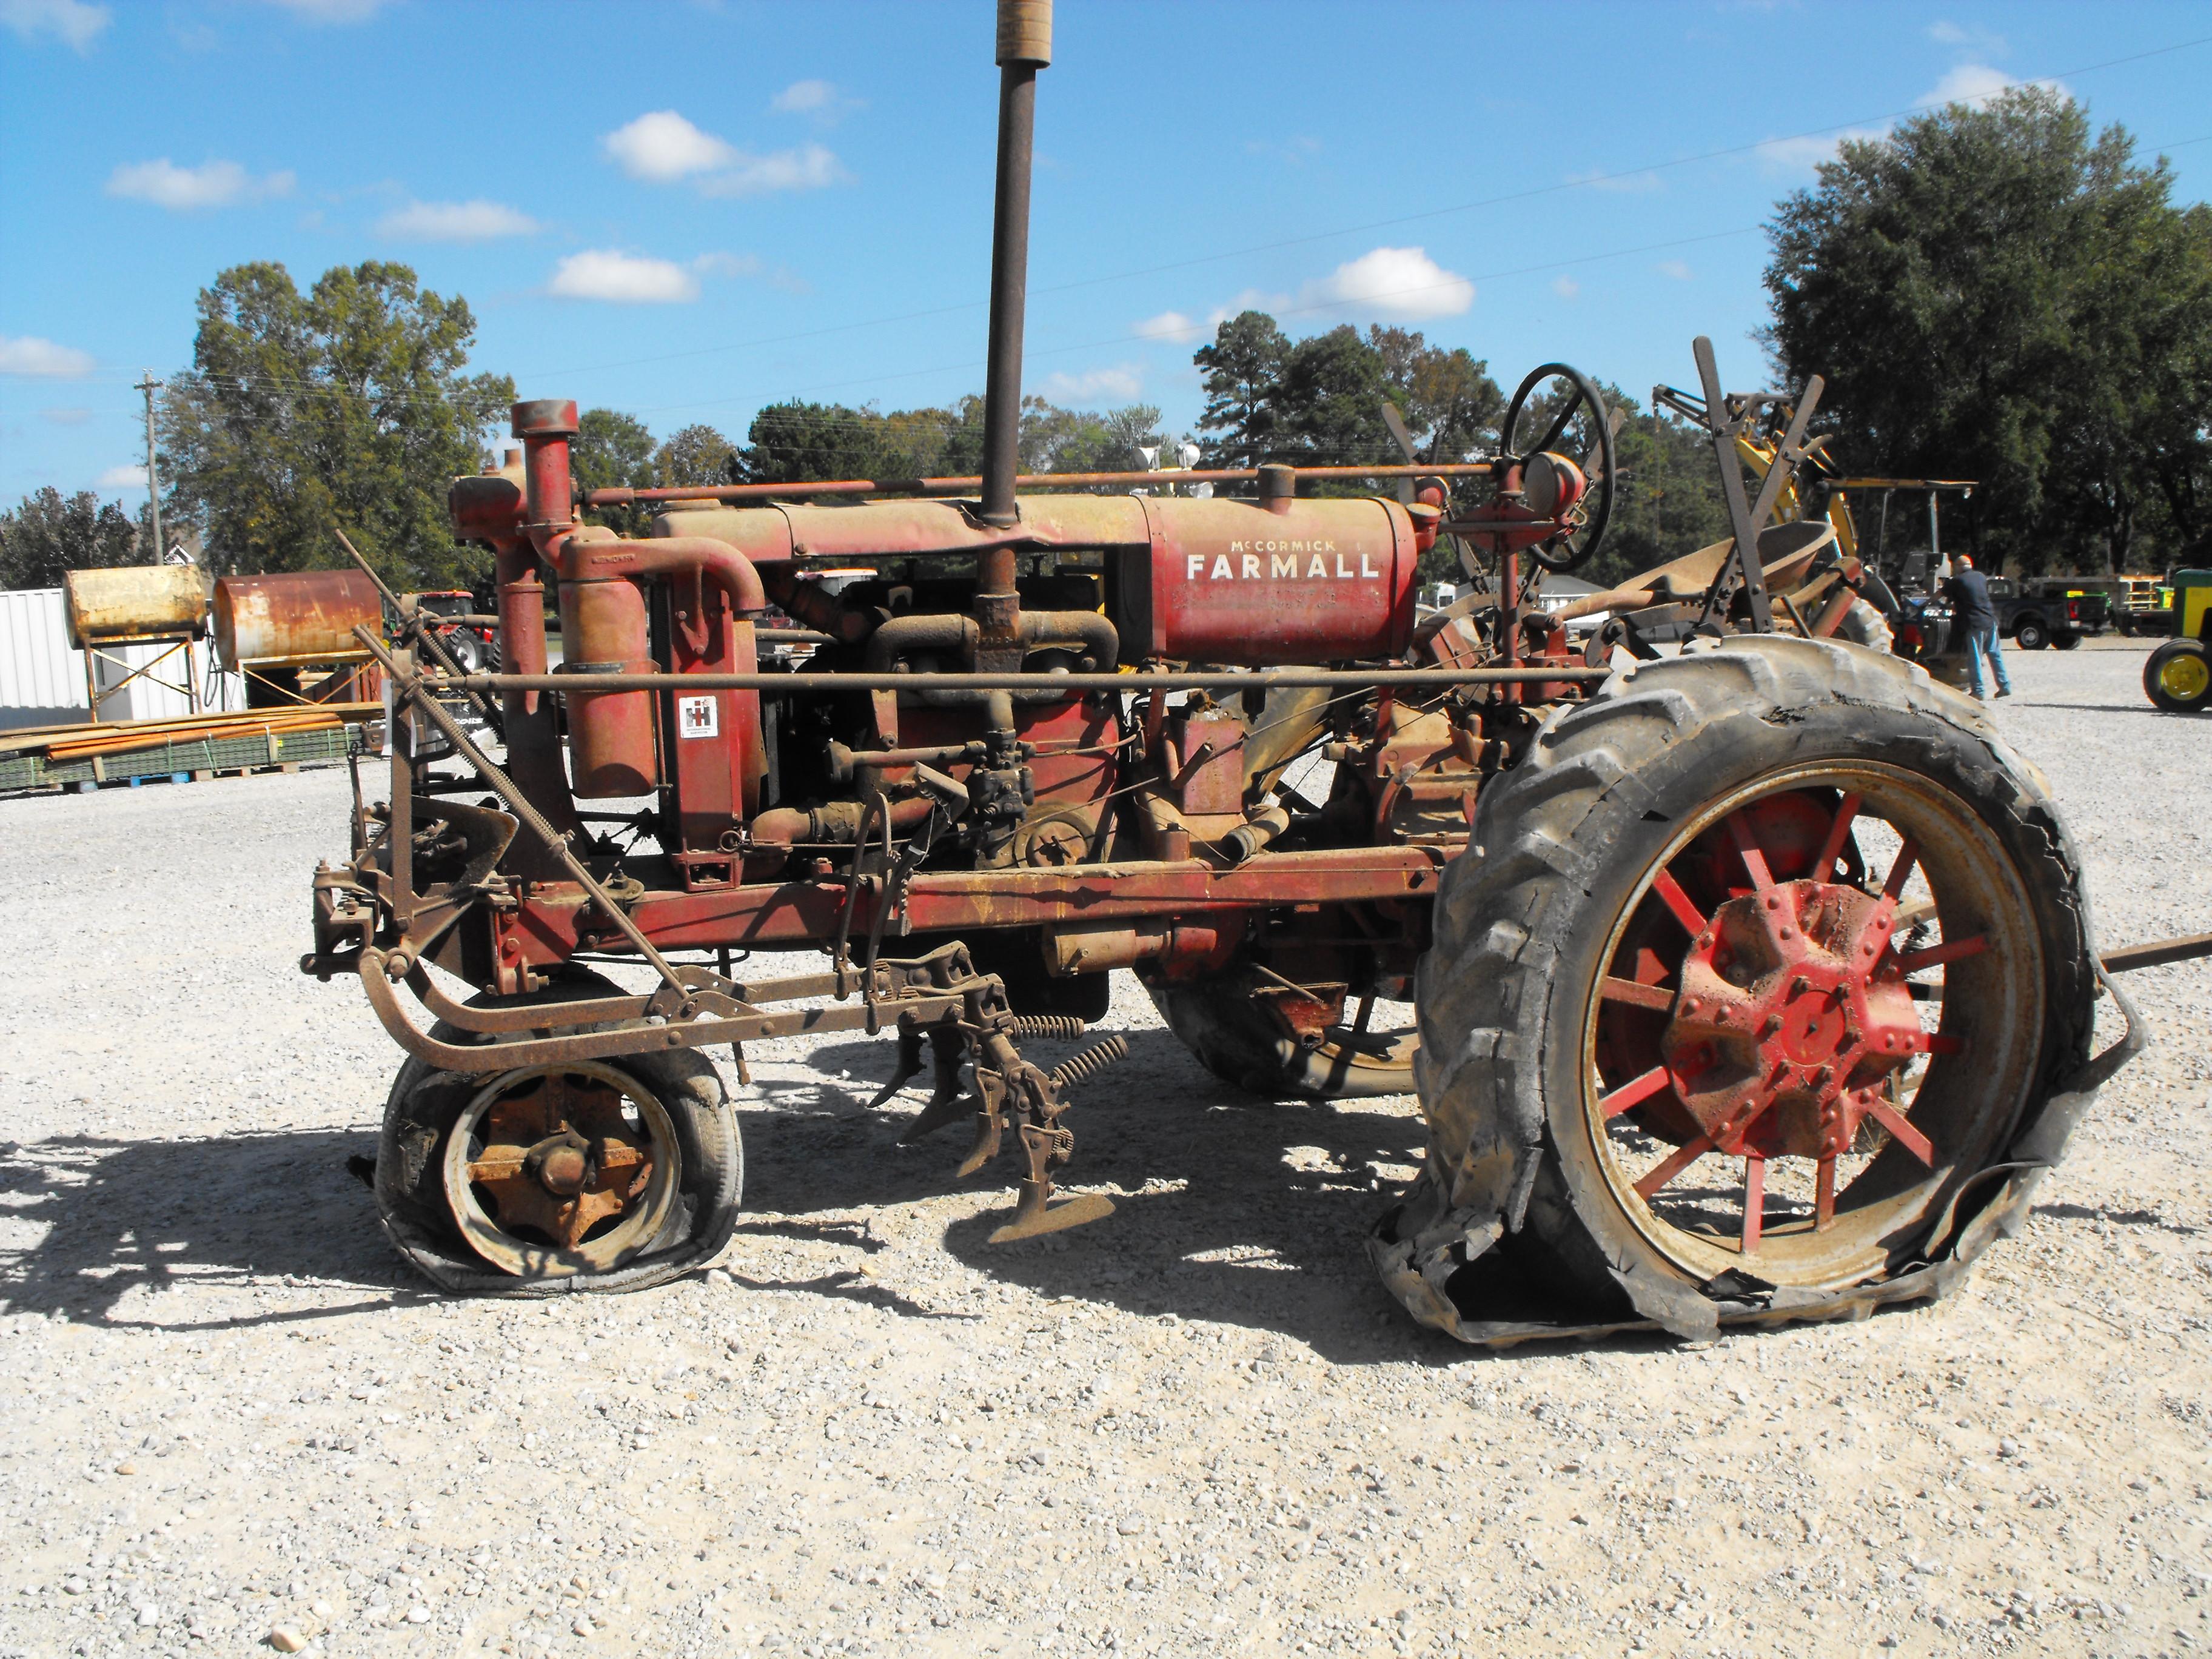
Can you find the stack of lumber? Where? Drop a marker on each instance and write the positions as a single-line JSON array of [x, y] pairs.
[[62, 743], [201, 745]]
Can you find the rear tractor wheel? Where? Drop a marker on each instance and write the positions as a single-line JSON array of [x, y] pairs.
[[2178, 677], [582, 1174], [1772, 952]]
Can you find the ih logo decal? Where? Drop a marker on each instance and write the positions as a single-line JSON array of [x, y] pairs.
[[698, 717]]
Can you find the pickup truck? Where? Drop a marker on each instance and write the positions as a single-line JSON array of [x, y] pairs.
[[2039, 611]]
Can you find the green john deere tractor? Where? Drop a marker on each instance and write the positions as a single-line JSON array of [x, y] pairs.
[[2178, 675]]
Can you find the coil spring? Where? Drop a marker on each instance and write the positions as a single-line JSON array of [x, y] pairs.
[[1058, 1028], [1091, 1061]]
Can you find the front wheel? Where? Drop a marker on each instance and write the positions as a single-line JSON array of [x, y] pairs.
[[1255, 1030], [1773, 952], [2178, 677], [587, 1174]]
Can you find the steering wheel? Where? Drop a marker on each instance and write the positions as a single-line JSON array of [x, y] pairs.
[[1586, 519]]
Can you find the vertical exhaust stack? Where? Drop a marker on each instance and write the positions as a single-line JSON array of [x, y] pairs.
[[1025, 47]]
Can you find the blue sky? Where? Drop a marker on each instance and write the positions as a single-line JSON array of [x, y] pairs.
[[687, 210]]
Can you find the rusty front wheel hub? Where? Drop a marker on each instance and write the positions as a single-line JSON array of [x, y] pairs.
[[561, 1169]]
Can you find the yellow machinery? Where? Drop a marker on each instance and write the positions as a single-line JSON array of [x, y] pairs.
[[2178, 677]]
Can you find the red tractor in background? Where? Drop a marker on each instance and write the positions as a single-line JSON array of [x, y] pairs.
[[1751, 981]]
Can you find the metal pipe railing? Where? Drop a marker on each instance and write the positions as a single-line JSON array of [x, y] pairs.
[[1258, 679]]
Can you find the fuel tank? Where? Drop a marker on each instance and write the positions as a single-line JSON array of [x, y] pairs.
[[1278, 580], [136, 601], [294, 616], [1261, 585]]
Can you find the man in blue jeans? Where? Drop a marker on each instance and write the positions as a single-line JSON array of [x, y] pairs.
[[1968, 590]]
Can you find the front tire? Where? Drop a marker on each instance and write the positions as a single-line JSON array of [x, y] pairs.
[[2178, 677], [1237, 1038], [665, 1114], [1602, 1078]]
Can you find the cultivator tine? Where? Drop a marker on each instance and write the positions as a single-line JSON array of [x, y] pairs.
[[1035, 1214], [909, 1066], [946, 1104]]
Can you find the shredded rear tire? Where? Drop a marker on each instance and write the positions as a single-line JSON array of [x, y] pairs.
[[1523, 924]]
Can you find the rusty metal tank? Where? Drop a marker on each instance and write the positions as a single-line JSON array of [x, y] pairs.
[[294, 616], [136, 602]]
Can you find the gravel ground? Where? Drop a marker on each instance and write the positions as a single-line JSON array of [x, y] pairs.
[[229, 1417]]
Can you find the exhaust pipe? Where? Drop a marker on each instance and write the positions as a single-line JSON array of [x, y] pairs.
[[1025, 47]]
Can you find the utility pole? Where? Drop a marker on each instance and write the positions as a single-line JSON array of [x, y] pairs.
[[153, 479]]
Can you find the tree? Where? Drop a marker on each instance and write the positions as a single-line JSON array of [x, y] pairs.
[[612, 451], [1081, 441], [49, 534], [1994, 293], [1242, 375], [1449, 403], [799, 442], [346, 407], [694, 456]]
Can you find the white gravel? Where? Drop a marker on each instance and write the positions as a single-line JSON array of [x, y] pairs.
[[228, 1418]]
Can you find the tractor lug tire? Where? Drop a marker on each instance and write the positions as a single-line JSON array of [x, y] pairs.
[[1521, 931]]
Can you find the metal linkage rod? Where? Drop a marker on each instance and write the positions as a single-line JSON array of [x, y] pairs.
[[755, 492], [427, 636], [1260, 679], [412, 688]]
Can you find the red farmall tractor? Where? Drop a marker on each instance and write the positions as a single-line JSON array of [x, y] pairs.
[[1748, 982]]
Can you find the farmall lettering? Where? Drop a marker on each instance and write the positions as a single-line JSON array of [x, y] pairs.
[[1296, 580], [1278, 561]]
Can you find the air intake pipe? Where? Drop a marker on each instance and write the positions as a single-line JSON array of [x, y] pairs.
[[612, 746]]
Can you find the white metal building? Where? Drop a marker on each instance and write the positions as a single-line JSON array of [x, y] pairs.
[[42, 675]]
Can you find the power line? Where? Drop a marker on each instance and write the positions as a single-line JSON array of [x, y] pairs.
[[1529, 194]]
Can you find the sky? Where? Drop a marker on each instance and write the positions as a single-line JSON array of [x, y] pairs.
[[687, 210]]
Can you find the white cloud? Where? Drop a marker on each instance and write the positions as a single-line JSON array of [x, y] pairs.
[[477, 220], [1944, 32], [123, 478], [29, 355], [1400, 282], [1122, 381], [1803, 155], [66, 416], [69, 21], [1675, 269], [808, 168], [801, 97], [332, 11], [664, 146], [210, 184], [1969, 83], [1167, 325], [1566, 287], [623, 279], [823, 99]]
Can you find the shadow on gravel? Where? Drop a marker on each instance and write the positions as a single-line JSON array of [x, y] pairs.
[[2099, 707], [2125, 1217], [1242, 1211], [237, 1211]]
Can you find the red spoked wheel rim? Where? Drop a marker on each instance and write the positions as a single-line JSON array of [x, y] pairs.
[[1820, 1005]]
